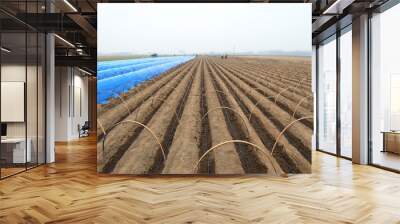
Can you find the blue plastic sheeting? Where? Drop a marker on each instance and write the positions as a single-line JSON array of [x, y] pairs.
[[114, 64], [107, 73], [113, 86]]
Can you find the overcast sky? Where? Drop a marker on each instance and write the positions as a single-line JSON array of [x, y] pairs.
[[203, 28]]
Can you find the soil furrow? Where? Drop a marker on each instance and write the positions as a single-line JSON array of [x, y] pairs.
[[286, 104], [298, 134], [296, 70], [279, 79], [208, 164], [212, 115], [226, 159], [141, 154], [268, 132], [119, 112], [277, 87], [102, 109], [121, 136], [251, 163], [274, 67], [184, 150], [274, 77], [159, 162]]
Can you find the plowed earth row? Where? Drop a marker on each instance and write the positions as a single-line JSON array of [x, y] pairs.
[[212, 116]]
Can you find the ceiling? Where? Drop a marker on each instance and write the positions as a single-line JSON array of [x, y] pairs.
[[75, 21]]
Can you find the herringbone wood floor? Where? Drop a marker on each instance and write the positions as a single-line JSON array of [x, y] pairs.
[[70, 191]]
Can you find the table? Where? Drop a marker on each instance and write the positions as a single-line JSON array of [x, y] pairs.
[[13, 150], [391, 141]]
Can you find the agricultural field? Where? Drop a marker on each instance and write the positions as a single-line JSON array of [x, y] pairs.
[[209, 115], [116, 77]]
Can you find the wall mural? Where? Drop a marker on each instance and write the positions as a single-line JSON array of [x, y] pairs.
[[204, 89]]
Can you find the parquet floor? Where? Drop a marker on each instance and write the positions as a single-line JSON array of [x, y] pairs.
[[70, 191]]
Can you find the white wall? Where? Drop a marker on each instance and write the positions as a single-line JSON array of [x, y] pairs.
[[71, 94], [34, 125], [61, 103], [16, 73], [80, 110], [12, 73]]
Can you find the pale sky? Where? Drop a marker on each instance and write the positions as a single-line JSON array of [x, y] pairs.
[[203, 28]]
